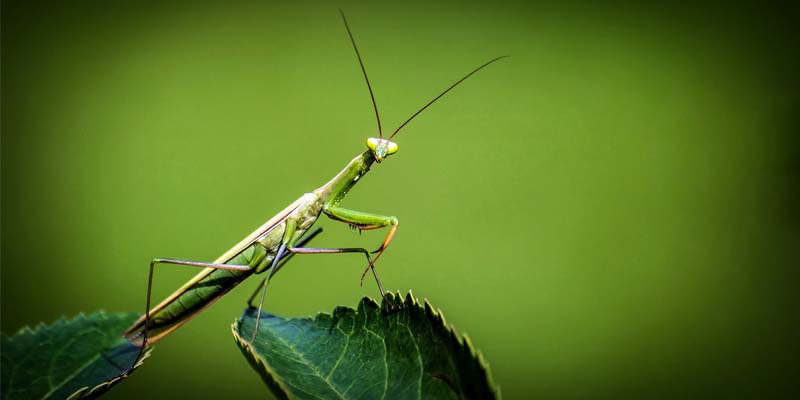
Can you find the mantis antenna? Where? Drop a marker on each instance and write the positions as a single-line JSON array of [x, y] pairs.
[[361, 63], [443, 93], [372, 95]]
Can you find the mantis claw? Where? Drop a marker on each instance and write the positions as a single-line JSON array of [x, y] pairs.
[[392, 308]]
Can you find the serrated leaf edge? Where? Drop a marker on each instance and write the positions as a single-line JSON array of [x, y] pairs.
[[27, 330], [85, 391], [435, 314], [260, 361], [463, 340]]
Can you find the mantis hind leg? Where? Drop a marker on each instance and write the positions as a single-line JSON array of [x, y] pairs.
[[287, 250], [339, 250], [153, 264], [314, 250]]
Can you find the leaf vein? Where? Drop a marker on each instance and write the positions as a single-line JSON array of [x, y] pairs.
[[74, 374], [341, 356], [385, 350], [310, 365], [419, 358]]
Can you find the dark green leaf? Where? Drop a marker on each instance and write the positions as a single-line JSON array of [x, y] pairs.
[[367, 353], [78, 358]]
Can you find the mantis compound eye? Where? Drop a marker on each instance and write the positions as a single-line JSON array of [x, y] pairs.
[[382, 148]]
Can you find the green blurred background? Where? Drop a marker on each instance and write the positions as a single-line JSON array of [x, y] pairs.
[[611, 212]]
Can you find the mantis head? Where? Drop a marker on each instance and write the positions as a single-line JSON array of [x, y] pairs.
[[381, 148]]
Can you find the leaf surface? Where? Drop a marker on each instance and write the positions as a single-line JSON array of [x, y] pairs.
[[78, 358], [366, 353]]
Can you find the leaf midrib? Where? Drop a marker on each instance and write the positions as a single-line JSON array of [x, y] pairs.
[[310, 365]]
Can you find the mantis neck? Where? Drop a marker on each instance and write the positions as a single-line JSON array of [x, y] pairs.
[[336, 189]]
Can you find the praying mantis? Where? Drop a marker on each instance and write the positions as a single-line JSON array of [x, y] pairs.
[[286, 234]]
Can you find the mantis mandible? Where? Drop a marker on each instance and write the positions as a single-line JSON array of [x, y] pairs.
[[273, 243]]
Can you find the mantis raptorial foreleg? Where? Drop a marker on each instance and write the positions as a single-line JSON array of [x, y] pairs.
[[365, 221]]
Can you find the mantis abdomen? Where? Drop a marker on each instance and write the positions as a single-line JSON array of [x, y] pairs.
[[211, 284]]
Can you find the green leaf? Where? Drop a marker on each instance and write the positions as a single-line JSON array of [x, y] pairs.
[[78, 358], [368, 353]]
